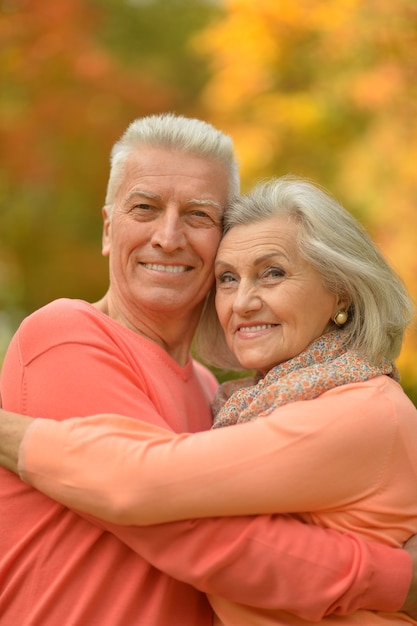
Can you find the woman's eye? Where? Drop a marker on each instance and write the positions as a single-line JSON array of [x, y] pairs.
[[225, 278], [274, 272]]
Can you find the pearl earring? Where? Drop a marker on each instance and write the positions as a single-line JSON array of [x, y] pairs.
[[341, 317]]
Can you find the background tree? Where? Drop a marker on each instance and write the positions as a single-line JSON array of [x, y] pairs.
[[74, 74], [328, 90]]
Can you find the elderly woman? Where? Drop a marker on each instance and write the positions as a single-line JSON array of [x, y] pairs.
[[303, 297]]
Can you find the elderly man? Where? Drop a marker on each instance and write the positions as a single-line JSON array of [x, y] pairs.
[[129, 353]]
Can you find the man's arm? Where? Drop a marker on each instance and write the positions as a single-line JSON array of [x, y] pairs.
[[12, 430], [410, 604], [296, 550]]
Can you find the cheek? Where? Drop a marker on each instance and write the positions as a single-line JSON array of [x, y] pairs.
[[222, 309], [310, 311], [324, 310], [208, 247]]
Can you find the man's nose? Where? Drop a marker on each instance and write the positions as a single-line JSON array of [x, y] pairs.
[[169, 232]]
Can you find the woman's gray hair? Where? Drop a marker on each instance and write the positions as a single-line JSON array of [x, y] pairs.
[[350, 264], [175, 132]]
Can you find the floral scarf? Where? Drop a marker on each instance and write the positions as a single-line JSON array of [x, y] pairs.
[[326, 363]]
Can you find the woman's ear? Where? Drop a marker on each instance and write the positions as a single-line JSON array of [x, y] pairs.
[[340, 313], [342, 303]]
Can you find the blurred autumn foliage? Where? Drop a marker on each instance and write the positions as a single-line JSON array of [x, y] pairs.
[[320, 88], [73, 75]]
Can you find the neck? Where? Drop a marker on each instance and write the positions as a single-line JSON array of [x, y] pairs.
[[173, 333]]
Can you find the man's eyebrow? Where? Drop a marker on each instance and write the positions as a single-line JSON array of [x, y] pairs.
[[144, 194], [206, 202], [155, 196]]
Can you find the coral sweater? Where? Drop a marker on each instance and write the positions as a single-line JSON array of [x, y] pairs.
[[58, 567]]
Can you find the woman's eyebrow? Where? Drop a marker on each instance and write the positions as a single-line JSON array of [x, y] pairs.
[[221, 263], [270, 255], [257, 261]]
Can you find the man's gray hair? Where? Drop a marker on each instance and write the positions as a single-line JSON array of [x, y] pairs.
[[176, 132]]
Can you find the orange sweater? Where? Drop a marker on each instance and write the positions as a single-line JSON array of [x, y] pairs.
[[57, 568], [347, 460]]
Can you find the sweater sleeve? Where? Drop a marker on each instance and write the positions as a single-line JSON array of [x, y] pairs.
[[290, 462], [264, 561], [339, 573]]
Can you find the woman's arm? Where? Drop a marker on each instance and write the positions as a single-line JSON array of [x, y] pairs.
[[274, 465]]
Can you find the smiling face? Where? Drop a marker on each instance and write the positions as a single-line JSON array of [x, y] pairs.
[[163, 235], [271, 303]]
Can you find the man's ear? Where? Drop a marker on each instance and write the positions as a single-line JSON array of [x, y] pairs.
[[106, 238]]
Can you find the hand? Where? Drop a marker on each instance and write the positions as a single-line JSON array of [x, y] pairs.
[[410, 604], [12, 429]]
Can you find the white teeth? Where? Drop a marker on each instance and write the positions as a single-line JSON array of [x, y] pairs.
[[174, 269], [252, 329]]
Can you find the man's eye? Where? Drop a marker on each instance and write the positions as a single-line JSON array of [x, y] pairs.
[[203, 219], [142, 211]]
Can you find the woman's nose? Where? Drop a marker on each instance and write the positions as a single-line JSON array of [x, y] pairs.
[[247, 299]]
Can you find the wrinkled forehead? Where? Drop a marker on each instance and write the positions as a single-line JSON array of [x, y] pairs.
[[273, 234], [158, 169], [156, 163]]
